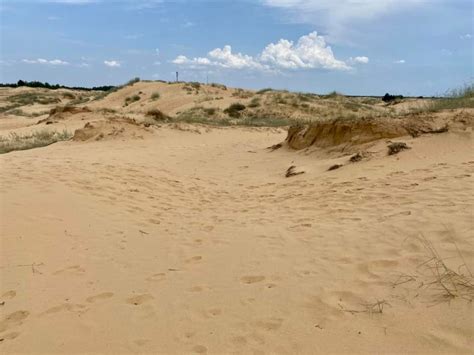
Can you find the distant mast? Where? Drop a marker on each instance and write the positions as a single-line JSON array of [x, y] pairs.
[[177, 75]]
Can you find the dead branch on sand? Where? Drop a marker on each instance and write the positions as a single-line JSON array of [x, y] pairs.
[[291, 171]]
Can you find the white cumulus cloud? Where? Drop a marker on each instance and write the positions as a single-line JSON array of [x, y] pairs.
[[400, 61], [45, 61], [359, 60], [226, 59], [309, 52], [112, 63]]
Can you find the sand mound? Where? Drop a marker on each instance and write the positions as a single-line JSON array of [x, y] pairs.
[[62, 112], [336, 132], [110, 129]]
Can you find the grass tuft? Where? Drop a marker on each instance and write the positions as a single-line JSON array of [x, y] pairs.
[[37, 139]]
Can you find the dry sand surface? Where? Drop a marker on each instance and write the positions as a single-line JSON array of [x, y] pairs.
[[182, 239]]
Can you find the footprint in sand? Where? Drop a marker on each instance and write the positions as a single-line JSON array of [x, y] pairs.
[[157, 277], [13, 319], [79, 308], [9, 336], [139, 299], [194, 259], [9, 295], [141, 342], [100, 296], [196, 289], [271, 324], [200, 349], [252, 279]]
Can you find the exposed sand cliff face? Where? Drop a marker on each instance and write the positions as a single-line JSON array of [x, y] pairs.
[[333, 133], [175, 238]]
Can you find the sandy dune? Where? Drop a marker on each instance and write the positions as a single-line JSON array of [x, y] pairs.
[[190, 239]]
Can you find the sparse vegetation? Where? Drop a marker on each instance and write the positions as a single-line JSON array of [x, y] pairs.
[[132, 81], [450, 283], [234, 110], [458, 98], [444, 282], [195, 85], [242, 94], [263, 91], [69, 95], [79, 100], [131, 99], [37, 139], [254, 103], [155, 96], [210, 111], [30, 98], [219, 86], [157, 115]]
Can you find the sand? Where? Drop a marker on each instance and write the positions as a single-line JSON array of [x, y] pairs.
[[190, 239]]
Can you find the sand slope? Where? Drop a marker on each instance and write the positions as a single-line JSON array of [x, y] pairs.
[[193, 241]]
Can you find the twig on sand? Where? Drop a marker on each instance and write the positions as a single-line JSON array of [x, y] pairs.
[[371, 308], [402, 279], [291, 171], [275, 147], [335, 166], [33, 269]]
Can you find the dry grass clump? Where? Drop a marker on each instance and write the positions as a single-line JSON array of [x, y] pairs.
[[79, 100], [263, 91], [254, 103], [191, 87], [457, 98], [155, 96], [242, 94], [30, 98], [219, 86], [69, 95], [334, 94], [443, 281], [235, 109], [448, 282], [14, 142], [131, 99], [157, 115]]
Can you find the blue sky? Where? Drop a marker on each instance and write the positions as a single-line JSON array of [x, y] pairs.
[[411, 47]]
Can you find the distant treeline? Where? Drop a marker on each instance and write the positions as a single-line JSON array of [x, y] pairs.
[[39, 84]]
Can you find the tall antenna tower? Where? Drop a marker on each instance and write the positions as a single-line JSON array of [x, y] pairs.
[[177, 76]]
